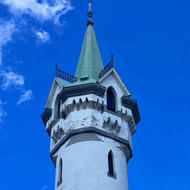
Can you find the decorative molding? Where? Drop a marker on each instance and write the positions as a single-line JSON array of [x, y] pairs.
[[57, 134], [117, 77], [73, 132], [82, 106], [121, 114], [92, 105], [46, 115], [51, 125], [83, 122], [92, 121], [111, 126], [130, 122], [79, 90], [131, 104]]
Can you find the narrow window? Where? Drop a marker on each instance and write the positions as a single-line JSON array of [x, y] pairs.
[[110, 164], [60, 170], [57, 109], [111, 99]]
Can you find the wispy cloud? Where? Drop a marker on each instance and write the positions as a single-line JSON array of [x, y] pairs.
[[27, 95], [42, 11], [6, 33], [11, 78], [43, 36], [2, 112]]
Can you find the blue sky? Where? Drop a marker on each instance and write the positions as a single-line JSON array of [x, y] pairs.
[[150, 41]]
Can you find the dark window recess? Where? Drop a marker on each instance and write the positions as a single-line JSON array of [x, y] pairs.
[[60, 170], [57, 109], [110, 164], [111, 99]]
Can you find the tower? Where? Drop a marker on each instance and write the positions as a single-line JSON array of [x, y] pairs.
[[90, 118]]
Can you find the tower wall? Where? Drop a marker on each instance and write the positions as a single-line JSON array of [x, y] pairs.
[[83, 140], [85, 164]]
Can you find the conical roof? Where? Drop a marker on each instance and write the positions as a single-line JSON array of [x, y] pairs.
[[90, 62]]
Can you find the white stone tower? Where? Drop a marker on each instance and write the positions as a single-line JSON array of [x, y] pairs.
[[90, 118]]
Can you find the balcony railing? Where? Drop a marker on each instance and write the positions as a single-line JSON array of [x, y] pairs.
[[65, 76], [107, 67]]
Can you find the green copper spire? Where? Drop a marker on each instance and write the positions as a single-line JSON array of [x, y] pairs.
[[90, 62]]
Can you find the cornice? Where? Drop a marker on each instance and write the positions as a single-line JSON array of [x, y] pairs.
[[79, 90], [73, 132], [131, 104]]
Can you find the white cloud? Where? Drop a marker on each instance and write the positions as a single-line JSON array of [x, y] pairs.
[[6, 32], [43, 36], [2, 112], [27, 95], [41, 11], [11, 79]]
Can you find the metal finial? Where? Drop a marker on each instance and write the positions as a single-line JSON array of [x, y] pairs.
[[90, 13]]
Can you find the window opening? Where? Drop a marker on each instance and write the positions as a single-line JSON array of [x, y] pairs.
[[111, 99], [110, 164], [57, 109], [60, 170]]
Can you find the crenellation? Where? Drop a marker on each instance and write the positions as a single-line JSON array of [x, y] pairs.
[[111, 125], [92, 119], [57, 134], [76, 107]]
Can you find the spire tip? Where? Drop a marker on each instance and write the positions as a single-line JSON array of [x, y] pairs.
[[90, 13]]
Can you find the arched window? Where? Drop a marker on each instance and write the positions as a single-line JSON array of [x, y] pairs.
[[111, 164], [111, 99], [57, 109], [60, 170]]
